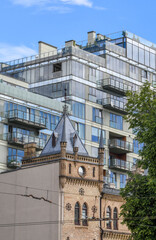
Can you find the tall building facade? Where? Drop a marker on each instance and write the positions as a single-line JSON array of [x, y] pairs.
[[96, 73]]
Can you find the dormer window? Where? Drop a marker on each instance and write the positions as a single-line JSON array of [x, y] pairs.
[[54, 138]]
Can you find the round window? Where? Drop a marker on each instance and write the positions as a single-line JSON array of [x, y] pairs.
[[82, 171]]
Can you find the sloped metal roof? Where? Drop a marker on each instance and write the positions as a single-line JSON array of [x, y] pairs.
[[64, 131]]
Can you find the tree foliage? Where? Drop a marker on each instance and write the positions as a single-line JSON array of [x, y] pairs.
[[139, 210], [141, 109]]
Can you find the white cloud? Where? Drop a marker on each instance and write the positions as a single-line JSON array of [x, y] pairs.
[[29, 3], [86, 3], [59, 6], [9, 52]]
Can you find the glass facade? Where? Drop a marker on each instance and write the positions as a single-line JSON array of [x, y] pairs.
[[96, 135], [95, 84], [78, 109], [116, 121], [97, 115], [137, 146], [122, 180]]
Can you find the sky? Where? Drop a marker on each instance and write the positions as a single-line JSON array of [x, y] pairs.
[[25, 22]]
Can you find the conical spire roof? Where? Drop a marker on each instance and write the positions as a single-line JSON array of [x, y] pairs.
[[64, 132]]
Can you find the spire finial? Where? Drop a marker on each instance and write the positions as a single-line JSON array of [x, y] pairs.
[[65, 107]]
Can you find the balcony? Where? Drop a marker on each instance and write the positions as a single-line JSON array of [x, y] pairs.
[[119, 146], [113, 105], [115, 86], [14, 161], [27, 119], [20, 139], [119, 164]]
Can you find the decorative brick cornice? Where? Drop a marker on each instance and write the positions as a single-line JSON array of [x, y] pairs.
[[115, 235], [82, 181], [44, 159]]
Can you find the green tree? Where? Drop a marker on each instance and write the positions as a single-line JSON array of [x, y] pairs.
[[139, 210]]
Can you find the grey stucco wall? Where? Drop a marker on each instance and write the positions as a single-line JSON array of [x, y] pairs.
[[26, 218]]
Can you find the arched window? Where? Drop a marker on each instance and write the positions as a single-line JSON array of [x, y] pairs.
[[115, 219], [84, 215], [77, 214], [108, 215]]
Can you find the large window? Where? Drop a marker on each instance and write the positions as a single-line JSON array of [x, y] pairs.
[[122, 180], [80, 127], [97, 115], [108, 215], [137, 146], [84, 215], [77, 214], [116, 121], [96, 135], [113, 178], [15, 155], [115, 219], [78, 109]]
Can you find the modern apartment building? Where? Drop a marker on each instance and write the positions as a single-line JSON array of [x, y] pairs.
[[96, 73]]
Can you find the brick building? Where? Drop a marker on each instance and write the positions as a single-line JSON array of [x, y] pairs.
[[60, 195]]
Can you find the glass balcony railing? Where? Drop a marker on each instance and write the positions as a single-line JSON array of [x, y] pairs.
[[20, 139], [113, 104], [120, 146], [120, 164], [14, 161], [26, 118], [116, 86]]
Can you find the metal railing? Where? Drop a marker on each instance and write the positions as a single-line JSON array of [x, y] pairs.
[[26, 117], [113, 103], [121, 164], [21, 139], [117, 143], [116, 84], [14, 161]]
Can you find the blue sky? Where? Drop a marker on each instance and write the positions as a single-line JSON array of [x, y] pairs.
[[25, 22]]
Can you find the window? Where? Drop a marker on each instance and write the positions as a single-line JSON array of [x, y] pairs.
[[137, 146], [77, 214], [108, 215], [93, 171], [115, 219], [57, 67], [15, 155], [80, 127], [122, 180], [97, 115], [96, 134], [113, 178], [116, 121], [78, 109], [84, 215], [69, 168]]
